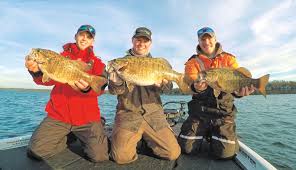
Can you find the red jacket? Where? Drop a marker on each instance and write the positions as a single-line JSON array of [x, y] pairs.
[[66, 104]]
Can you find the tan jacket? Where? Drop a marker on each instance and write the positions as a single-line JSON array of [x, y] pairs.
[[143, 103]]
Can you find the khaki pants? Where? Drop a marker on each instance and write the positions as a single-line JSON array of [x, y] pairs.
[[51, 136], [162, 142]]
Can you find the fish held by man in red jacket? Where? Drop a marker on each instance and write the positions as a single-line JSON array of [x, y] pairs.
[[64, 70]]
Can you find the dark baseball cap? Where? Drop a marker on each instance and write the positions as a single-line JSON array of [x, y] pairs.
[[87, 28], [206, 30], [143, 32]]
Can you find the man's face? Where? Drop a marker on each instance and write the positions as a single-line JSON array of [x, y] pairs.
[[141, 45], [84, 40], [207, 44]]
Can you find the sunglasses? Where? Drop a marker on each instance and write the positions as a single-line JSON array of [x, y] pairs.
[[204, 30], [87, 28]]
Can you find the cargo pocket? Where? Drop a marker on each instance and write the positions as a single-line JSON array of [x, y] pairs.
[[188, 138], [189, 127], [97, 132]]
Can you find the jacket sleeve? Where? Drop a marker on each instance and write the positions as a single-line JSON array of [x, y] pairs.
[[37, 78], [191, 70], [191, 73], [232, 62]]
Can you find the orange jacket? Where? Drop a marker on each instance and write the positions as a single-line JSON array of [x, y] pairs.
[[221, 59]]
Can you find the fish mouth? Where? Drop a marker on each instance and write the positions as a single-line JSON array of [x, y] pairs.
[[110, 67], [201, 77], [114, 66], [31, 55]]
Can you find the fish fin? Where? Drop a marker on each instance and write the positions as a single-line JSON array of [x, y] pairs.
[[45, 78], [164, 61], [184, 87], [90, 65], [262, 83], [97, 83], [121, 69], [130, 86], [215, 85], [216, 88], [244, 71], [216, 93]]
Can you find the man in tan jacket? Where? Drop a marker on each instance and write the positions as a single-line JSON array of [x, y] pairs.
[[139, 112]]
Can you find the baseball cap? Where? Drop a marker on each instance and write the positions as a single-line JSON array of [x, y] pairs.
[[206, 30], [87, 28], [143, 32]]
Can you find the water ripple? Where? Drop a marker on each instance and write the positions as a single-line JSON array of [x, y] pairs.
[[265, 125]]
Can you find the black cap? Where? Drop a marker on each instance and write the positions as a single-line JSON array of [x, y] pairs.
[[143, 32]]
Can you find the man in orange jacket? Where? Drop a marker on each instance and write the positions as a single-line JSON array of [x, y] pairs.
[[70, 110], [216, 123]]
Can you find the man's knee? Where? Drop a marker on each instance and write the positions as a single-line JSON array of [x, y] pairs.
[[224, 150], [37, 152], [98, 157], [123, 157], [99, 154], [97, 151], [174, 153], [189, 146]]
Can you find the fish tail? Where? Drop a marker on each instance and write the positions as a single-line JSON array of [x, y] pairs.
[[98, 83], [262, 84], [184, 88]]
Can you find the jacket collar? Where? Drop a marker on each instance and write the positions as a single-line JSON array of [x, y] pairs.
[[132, 53], [218, 51], [83, 54]]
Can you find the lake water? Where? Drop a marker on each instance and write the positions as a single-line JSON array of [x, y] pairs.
[[267, 126]]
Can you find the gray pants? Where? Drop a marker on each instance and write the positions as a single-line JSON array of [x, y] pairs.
[[221, 132], [51, 136]]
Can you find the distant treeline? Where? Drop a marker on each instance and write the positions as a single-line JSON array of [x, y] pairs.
[[273, 87]]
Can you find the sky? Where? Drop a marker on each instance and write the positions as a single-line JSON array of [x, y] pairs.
[[261, 34]]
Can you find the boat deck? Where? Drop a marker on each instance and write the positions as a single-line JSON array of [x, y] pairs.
[[72, 158]]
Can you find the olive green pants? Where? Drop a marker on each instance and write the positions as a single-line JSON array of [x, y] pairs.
[[124, 142], [51, 136], [220, 132]]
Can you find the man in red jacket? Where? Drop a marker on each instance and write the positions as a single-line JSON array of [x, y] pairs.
[[71, 110]]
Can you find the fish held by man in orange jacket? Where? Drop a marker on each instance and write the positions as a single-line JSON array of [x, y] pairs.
[[229, 80], [64, 70]]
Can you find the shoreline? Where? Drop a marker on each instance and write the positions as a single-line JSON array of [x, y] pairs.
[[173, 91]]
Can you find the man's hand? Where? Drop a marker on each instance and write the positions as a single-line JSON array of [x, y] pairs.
[[163, 81], [245, 91], [200, 86], [31, 65], [82, 85]]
